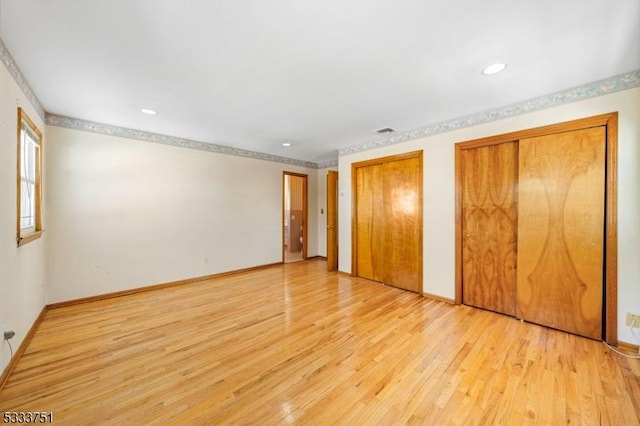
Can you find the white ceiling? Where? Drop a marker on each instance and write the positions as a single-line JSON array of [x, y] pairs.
[[322, 75]]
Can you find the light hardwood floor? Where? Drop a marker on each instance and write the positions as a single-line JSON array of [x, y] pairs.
[[294, 344]]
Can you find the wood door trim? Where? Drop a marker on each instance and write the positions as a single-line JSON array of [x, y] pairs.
[[609, 120], [611, 231], [354, 220], [387, 159], [354, 202], [567, 126]]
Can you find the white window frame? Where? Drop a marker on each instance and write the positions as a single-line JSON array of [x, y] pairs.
[[29, 179]]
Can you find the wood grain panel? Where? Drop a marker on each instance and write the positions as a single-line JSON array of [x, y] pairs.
[[489, 227], [332, 220], [561, 230], [311, 347], [402, 195], [370, 223]]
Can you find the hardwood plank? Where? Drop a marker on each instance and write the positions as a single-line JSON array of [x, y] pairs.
[[311, 347]]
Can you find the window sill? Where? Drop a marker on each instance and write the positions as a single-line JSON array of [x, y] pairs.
[[29, 237]]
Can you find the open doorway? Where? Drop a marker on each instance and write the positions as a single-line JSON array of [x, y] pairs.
[[294, 215]]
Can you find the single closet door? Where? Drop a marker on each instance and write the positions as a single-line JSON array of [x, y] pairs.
[[332, 220], [489, 226], [561, 199], [402, 252], [370, 222]]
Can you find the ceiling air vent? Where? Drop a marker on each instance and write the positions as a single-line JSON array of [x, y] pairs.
[[385, 130]]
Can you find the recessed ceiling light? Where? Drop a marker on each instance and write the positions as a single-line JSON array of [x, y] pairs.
[[148, 111], [494, 69], [286, 144]]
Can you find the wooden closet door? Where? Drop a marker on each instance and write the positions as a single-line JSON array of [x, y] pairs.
[[489, 227], [370, 222], [560, 230], [332, 220], [402, 193]]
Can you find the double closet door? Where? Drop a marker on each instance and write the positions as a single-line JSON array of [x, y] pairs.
[[388, 220], [533, 227]]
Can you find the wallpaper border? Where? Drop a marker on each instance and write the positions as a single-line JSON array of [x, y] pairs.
[[141, 135], [328, 164], [18, 77], [606, 86]]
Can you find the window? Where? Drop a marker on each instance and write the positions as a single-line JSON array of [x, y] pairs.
[[29, 180]]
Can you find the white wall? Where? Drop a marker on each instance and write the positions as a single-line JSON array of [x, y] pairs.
[[439, 179], [22, 294], [125, 214]]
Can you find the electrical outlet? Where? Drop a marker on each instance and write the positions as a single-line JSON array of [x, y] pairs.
[[633, 320]]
